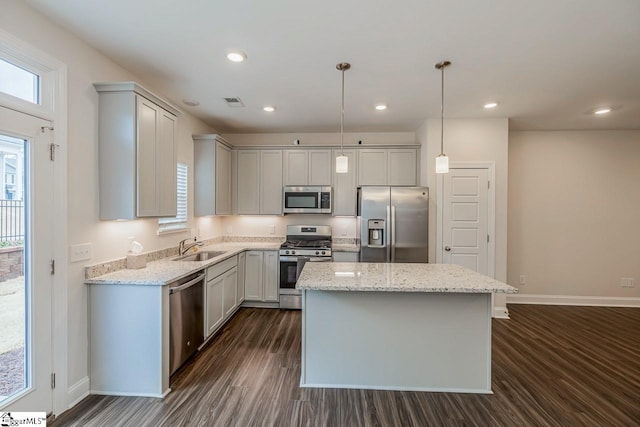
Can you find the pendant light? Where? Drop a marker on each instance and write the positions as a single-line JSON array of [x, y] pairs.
[[342, 161], [442, 161]]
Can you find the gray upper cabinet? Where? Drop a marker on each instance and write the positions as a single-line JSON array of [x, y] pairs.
[[248, 182], [402, 166], [137, 153], [271, 182], [296, 167], [388, 166], [212, 172], [345, 186], [372, 166], [259, 182], [307, 167]]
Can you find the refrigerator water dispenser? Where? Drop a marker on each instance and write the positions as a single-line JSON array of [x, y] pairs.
[[376, 233]]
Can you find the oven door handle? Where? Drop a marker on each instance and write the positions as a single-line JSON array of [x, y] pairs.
[[310, 259]]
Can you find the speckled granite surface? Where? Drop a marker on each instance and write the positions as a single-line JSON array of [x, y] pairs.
[[165, 271], [398, 277]]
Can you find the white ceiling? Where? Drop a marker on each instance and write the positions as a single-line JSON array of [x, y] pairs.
[[548, 62]]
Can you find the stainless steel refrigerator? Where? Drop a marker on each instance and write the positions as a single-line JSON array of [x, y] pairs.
[[393, 224]]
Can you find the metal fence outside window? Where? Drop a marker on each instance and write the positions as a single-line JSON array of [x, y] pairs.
[[11, 221]]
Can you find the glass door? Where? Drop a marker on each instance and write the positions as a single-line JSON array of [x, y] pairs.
[[26, 203]]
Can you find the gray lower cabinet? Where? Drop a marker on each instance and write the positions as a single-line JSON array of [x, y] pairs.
[[241, 274], [261, 276], [220, 294]]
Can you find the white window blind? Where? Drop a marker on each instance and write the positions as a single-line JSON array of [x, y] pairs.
[[178, 222]]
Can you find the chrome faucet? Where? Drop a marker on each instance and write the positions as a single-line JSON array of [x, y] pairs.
[[183, 247]]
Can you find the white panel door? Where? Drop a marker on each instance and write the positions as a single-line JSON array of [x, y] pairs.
[[271, 182], [465, 213], [271, 288], [320, 167], [166, 162], [296, 167], [253, 277]]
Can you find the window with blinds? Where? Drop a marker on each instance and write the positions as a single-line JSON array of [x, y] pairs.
[[179, 222]]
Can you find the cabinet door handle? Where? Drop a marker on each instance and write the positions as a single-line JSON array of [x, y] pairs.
[[447, 248]]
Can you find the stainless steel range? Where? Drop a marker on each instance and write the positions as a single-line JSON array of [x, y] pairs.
[[305, 243]]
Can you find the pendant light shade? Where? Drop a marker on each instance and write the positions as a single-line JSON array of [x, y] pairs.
[[342, 161], [442, 164], [442, 161], [342, 164]]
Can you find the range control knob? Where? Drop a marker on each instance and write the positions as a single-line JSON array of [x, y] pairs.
[[286, 252], [324, 252], [293, 252], [317, 252]]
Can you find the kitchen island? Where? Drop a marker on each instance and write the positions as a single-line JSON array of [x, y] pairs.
[[401, 326]]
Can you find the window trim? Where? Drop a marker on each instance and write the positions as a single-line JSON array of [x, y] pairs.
[[18, 53], [180, 222]]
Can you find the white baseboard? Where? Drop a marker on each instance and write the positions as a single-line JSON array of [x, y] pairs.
[[77, 392], [573, 300], [129, 394], [500, 313], [400, 388]]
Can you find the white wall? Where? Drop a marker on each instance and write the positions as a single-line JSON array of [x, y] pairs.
[[574, 206], [322, 138], [110, 239], [469, 140], [260, 225]]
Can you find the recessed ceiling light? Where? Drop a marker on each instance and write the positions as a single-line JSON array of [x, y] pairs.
[[489, 105], [190, 102], [236, 56], [269, 108], [602, 111], [381, 107]]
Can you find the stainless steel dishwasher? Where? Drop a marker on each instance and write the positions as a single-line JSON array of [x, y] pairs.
[[186, 314]]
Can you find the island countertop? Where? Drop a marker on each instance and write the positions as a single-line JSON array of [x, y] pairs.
[[397, 277]]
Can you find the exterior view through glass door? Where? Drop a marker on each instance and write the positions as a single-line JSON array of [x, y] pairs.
[[26, 203]]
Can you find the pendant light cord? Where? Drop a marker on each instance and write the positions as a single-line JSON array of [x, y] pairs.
[[342, 119], [442, 115]]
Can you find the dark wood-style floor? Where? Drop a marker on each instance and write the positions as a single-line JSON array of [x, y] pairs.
[[552, 365]]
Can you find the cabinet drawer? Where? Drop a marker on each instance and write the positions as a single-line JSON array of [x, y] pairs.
[[221, 267]]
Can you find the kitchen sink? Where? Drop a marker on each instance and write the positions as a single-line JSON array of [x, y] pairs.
[[200, 256]]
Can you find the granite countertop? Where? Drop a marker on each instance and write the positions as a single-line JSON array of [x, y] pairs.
[[397, 277], [165, 271]]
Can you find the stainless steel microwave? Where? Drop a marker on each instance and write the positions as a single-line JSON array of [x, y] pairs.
[[307, 199]]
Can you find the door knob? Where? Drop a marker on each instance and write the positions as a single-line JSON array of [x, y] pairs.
[[447, 248]]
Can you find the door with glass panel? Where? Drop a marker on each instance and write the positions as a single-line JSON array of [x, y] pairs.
[[26, 224]]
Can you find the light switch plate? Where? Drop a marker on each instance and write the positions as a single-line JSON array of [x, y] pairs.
[[80, 252]]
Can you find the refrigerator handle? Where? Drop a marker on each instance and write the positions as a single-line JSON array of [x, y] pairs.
[[393, 233], [388, 231]]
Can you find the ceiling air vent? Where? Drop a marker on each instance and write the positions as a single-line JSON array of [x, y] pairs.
[[234, 102]]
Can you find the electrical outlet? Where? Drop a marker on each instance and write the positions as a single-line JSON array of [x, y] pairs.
[[627, 282], [272, 229], [523, 279], [80, 252]]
